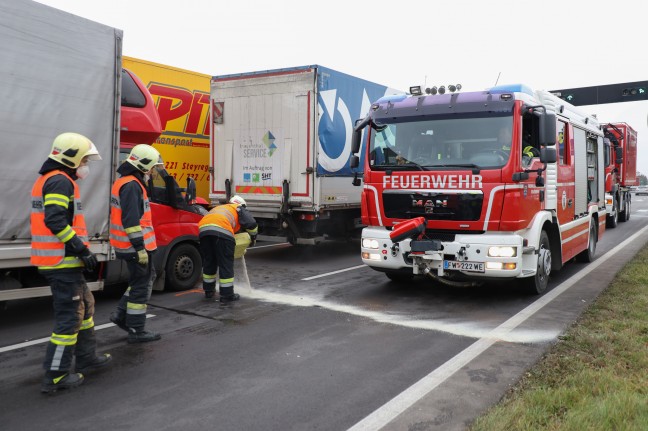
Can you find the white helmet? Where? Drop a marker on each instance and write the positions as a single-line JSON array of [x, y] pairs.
[[144, 157], [236, 199], [70, 148]]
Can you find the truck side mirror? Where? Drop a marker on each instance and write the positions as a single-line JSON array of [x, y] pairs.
[[619, 154], [172, 191], [355, 141], [354, 161], [547, 132], [190, 194], [548, 155]]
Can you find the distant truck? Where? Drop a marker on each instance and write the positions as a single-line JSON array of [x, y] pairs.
[[620, 170], [282, 139], [181, 98], [54, 81]]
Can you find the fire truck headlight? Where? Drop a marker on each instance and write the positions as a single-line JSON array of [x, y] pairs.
[[370, 243], [502, 251]]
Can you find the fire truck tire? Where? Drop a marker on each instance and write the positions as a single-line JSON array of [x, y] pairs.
[[538, 283], [587, 255], [612, 221], [184, 267]]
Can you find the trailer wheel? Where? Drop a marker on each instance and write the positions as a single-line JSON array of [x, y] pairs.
[[587, 255], [184, 267], [628, 205], [625, 214], [538, 283]]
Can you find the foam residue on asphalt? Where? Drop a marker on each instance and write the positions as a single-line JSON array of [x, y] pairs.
[[464, 329]]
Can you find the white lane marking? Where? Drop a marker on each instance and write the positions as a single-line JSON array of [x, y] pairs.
[[335, 272], [46, 339], [397, 405], [254, 247]]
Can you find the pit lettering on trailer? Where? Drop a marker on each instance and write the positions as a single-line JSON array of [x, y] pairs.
[[424, 181]]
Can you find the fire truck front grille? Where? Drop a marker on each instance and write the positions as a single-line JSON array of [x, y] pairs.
[[433, 205]]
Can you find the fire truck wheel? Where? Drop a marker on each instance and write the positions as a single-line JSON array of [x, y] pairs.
[[612, 220], [184, 267], [587, 255], [538, 283], [625, 214]]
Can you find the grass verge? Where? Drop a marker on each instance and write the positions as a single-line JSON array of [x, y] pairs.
[[596, 376]]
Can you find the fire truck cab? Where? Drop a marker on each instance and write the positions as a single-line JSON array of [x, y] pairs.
[[509, 183]]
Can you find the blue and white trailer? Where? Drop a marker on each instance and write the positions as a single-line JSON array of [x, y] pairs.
[[281, 139]]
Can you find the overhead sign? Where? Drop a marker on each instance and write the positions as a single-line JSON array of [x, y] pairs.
[[599, 94]]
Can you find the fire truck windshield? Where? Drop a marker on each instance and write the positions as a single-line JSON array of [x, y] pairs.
[[481, 142]]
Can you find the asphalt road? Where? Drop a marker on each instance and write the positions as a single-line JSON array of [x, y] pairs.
[[317, 342]]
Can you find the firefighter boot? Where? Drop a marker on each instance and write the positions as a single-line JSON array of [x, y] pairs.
[[85, 352], [119, 320], [52, 383], [209, 287], [142, 336], [227, 295]]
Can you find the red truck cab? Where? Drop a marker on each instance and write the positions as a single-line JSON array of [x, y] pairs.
[[175, 214]]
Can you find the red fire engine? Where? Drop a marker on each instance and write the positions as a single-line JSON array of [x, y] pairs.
[[509, 184], [620, 170]]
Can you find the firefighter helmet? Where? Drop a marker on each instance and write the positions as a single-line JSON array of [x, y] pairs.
[[144, 157], [70, 148], [236, 199]]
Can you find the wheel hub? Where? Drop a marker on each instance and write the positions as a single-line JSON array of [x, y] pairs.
[[184, 267], [544, 262]]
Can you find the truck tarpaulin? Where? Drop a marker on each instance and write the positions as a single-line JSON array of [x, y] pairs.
[[341, 99], [41, 96]]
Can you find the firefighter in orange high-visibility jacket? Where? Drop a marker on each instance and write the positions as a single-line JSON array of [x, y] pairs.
[[133, 238], [217, 244], [60, 250]]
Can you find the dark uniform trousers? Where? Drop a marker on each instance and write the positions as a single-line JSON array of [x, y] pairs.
[[132, 305], [73, 333], [218, 256]]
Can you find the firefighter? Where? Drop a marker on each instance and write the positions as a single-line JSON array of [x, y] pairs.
[[60, 251], [217, 244], [504, 139], [133, 238]]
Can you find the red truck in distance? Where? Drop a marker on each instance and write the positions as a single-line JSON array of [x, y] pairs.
[[620, 170]]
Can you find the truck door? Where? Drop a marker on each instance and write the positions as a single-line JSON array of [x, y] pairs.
[[566, 175]]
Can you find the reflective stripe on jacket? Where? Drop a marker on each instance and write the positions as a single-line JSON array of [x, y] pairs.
[[223, 219], [48, 249], [120, 236]]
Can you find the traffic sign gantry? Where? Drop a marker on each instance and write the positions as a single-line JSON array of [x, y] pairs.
[[598, 94]]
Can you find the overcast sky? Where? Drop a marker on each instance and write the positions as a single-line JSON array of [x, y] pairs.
[[546, 44]]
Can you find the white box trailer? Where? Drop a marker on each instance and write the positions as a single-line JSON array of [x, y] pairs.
[[59, 73], [281, 139]]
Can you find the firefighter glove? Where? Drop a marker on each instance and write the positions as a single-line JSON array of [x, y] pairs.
[[142, 257], [252, 240], [89, 259]]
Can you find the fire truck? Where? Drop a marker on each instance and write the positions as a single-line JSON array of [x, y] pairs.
[[506, 183], [620, 170]]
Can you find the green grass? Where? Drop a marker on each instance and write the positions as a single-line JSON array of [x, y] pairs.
[[596, 376]]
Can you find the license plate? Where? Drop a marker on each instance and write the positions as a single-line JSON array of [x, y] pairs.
[[454, 265]]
